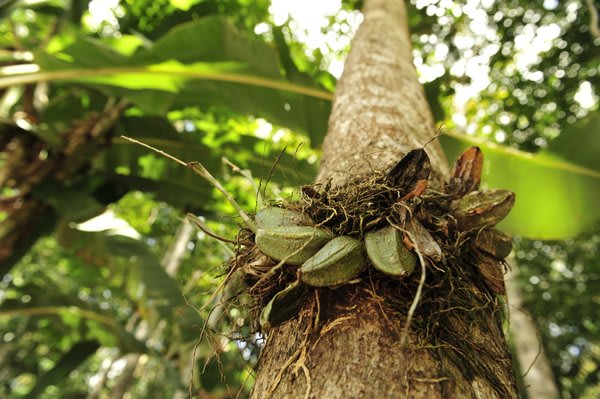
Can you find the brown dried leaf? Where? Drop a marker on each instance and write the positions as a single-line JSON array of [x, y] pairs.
[[492, 273], [494, 242], [310, 192], [424, 241], [410, 173], [466, 174]]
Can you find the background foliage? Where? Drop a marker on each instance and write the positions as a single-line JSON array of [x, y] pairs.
[[115, 306]]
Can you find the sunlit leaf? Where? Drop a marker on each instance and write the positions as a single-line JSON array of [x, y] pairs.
[[579, 143], [205, 63]]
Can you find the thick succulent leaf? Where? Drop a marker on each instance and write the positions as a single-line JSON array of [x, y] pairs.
[[206, 62], [554, 198]]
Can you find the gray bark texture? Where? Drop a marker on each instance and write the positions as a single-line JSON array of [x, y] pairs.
[[538, 379], [353, 349]]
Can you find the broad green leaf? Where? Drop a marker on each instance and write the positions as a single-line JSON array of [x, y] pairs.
[[210, 39], [579, 143], [70, 203], [203, 63], [554, 199], [161, 291], [61, 370], [125, 340]]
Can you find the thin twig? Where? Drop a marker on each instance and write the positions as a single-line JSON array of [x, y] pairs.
[[273, 170], [219, 289], [196, 346], [200, 170], [248, 175], [164, 154], [202, 226], [594, 26]]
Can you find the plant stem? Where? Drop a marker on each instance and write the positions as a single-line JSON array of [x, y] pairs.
[[200, 170]]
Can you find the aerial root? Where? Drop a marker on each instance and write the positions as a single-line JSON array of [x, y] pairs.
[[298, 358]]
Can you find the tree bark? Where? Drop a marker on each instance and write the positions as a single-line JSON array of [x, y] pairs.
[[379, 114], [538, 377]]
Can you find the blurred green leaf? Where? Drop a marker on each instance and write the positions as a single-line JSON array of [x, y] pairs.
[[161, 291], [579, 143], [7, 6], [432, 93], [105, 321], [176, 193], [61, 370], [205, 63], [124, 162], [183, 4], [72, 204]]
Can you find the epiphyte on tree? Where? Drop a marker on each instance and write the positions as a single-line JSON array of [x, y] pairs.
[[338, 262], [273, 216], [283, 306], [291, 244], [388, 253], [482, 208]]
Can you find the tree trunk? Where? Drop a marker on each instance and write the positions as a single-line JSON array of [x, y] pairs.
[[538, 377], [379, 114]]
